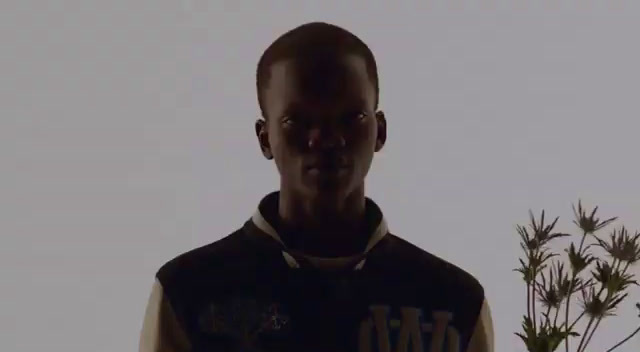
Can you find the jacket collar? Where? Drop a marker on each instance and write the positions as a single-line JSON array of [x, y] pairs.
[[377, 225]]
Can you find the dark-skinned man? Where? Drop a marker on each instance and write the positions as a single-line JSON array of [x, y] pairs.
[[316, 267]]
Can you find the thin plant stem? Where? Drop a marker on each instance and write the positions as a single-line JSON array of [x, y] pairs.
[[625, 340], [584, 347], [555, 318], [585, 333], [607, 299], [529, 300], [533, 296], [533, 304], [566, 312], [606, 302], [588, 332], [547, 315], [576, 321], [584, 236], [624, 271], [573, 278]]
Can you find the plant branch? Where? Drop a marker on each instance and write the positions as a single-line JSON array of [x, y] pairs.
[[529, 301], [601, 293], [576, 321], [586, 332], [573, 278], [591, 320], [625, 340], [584, 347], [606, 302], [533, 302]]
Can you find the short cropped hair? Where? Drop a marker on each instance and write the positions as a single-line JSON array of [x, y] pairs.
[[315, 38]]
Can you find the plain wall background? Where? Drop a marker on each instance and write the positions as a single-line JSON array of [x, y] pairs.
[[126, 138]]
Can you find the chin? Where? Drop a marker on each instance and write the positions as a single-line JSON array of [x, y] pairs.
[[327, 186], [328, 192]]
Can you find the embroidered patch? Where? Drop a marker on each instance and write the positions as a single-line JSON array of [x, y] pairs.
[[243, 318]]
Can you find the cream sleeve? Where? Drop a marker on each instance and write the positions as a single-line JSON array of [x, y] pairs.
[[161, 331], [482, 337]]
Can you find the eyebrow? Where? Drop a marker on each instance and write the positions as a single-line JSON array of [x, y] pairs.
[[358, 103], [290, 109]]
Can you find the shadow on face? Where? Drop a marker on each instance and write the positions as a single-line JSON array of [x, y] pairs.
[[321, 127]]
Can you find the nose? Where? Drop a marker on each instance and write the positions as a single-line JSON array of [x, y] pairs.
[[327, 138]]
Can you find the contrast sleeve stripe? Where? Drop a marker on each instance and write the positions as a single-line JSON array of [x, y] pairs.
[[161, 331]]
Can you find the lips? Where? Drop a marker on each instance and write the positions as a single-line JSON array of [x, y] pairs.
[[328, 167], [326, 170]]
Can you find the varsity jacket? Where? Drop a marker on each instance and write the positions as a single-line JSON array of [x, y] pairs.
[[249, 292]]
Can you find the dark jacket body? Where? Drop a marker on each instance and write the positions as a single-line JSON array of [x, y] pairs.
[[249, 292]]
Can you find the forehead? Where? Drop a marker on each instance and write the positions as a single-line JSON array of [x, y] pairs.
[[318, 82]]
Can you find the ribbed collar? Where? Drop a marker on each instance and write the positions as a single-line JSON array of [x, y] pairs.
[[265, 220]]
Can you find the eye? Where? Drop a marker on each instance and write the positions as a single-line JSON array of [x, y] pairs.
[[289, 120], [356, 116]]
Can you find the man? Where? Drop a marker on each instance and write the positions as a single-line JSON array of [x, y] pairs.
[[315, 268]]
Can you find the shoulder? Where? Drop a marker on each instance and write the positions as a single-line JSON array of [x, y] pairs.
[[416, 276], [430, 270], [212, 262]]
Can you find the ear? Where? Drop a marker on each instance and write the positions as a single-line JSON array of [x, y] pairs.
[[263, 138], [381, 138]]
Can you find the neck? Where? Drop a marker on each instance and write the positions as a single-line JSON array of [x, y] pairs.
[[324, 223]]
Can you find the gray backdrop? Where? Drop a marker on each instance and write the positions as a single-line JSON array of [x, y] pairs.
[[126, 137]]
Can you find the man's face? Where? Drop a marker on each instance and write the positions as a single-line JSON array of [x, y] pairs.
[[322, 128]]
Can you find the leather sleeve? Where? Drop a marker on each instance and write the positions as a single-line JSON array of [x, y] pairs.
[[161, 331], [482, 337]]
